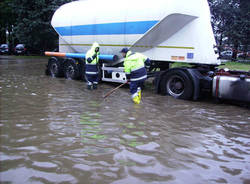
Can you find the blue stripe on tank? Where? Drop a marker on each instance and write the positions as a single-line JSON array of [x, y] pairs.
[[138, 27]]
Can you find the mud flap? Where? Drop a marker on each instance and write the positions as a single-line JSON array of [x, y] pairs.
[[199, 81]]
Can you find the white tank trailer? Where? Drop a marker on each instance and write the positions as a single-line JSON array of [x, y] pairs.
[[166, 31]]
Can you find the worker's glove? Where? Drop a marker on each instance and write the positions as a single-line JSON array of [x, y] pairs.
[[128, 77], [94, 56], [96, 49], [147, 63], [89, 60]]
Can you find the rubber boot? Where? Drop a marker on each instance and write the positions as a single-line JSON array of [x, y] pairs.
[[89, 86], [136, 99], [139, 92]]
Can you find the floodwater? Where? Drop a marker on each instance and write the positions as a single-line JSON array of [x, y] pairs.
[[54, 130]]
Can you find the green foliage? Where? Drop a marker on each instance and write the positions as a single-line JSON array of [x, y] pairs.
[[7, 19], [30, 21], [33, 22], [231, 22], [245, 23]]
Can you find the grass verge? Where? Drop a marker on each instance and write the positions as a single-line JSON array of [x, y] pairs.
[[236, 66], [229, 65]]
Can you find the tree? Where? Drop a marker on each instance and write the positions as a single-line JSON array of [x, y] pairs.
[[230, 21], [7, 19], [245, 23], [32, 25]]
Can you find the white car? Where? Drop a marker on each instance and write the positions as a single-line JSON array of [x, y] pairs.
[[226, 54]]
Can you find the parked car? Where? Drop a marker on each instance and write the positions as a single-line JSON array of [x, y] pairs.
[[226, 54], [20, 49], [4, 49]]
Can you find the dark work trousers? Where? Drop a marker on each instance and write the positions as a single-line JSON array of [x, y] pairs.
[[92, 78], [134, 85]]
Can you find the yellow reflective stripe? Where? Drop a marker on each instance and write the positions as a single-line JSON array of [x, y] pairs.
[[146, 46], [175, 47]]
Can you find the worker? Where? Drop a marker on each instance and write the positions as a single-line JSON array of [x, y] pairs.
[[136, 72], [91, 69]]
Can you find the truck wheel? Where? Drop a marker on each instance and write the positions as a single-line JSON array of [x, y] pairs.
[[71, 70], [176, 83], [55, 68]]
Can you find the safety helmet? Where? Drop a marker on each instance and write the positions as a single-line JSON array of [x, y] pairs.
[[124, 50]]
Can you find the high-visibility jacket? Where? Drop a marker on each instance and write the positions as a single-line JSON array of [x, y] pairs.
[[134, 66], [92, 60]]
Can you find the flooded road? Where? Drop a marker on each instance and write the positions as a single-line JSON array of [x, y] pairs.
[[54, 130]]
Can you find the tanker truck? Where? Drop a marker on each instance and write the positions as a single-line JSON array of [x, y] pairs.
[[166, 31]]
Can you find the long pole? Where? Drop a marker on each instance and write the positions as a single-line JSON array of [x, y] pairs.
[[113, 90]]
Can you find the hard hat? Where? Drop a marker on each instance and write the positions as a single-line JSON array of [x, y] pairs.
[[95, 45], [124, 50]]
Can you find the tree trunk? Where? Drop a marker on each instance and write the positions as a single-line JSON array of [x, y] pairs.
[[2, 36], [235, 51], [220, 44]]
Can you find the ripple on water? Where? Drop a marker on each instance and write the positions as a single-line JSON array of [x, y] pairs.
[[83, 167], [125, 155], [151, 146], [45, 165], [27, 175]]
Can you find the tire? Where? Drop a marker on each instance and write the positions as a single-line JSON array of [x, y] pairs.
[[71, 69], [55, 67], [178, 84]]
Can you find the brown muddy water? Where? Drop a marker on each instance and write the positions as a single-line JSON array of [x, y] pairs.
[[54, 130]]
